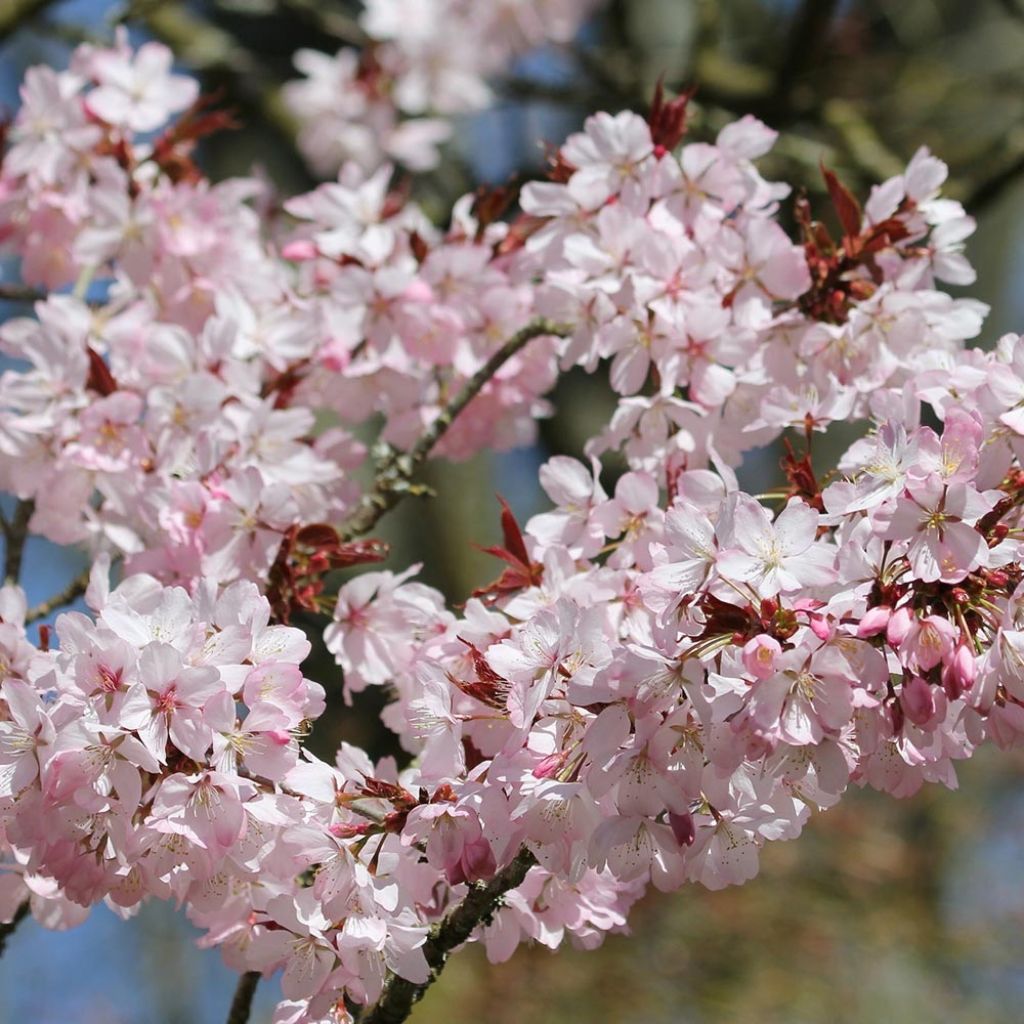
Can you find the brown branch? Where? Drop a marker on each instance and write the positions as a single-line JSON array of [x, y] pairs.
[[74, 590], [7, 929], [395, 470], [16, 533], [399, 996], [14, 14], [241, 1003], [10, 292], [804, 47]]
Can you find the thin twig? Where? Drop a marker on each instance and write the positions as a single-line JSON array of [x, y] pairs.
[[10, 292], [7, 930], [395, 469], [16, 534], [241, 1004], [74, 590], [399, 996]]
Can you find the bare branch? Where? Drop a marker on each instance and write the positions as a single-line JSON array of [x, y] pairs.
[[74, 590], [7, 930], [16, 533], [11, 292], [241, 1004], [399, 996], [395, 469]]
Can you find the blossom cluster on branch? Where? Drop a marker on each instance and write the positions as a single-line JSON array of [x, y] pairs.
[[418, 56], [661, 679]]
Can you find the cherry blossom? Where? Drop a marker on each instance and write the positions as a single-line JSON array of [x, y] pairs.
[[667, 673]]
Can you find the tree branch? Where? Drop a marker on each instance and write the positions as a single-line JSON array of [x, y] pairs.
[[16, 13], [10, 292], [16, 533], [241, 1003], [7, 930], [75, 589], [804, 46], [399, 996], [395, 469]]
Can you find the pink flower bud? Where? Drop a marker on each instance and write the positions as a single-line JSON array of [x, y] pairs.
[[683, 828], [918, 700], [549, 766], [899, 625], [418, 291], [820, 627], [960, 672], [300, 250], [335, 355], [476, 864], [874, 621], [759, 656]]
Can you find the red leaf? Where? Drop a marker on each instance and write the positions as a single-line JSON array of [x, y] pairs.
[[358, 551], [845, 203], [514, 542], [668, 120], [100, 379], [522, 572]]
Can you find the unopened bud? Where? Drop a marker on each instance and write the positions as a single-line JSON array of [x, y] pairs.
[[548, 767], [899, 626], [874, 621], [960, 672], [918, 700], [300, 250], [683, 828]]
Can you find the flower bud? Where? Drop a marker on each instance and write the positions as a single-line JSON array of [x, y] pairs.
[[918, 700], [959, 673], [900, 623], [874, 621], [549, 766], [300, 250], [683, 828]]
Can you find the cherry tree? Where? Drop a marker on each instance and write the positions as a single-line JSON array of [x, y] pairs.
[[665, 674]]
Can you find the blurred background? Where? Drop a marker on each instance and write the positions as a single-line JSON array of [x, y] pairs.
[[885, 910]]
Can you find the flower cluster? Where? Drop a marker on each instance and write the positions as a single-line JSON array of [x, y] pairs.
[[419, 56], [720, 331], [173, 421], [665, 675]]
